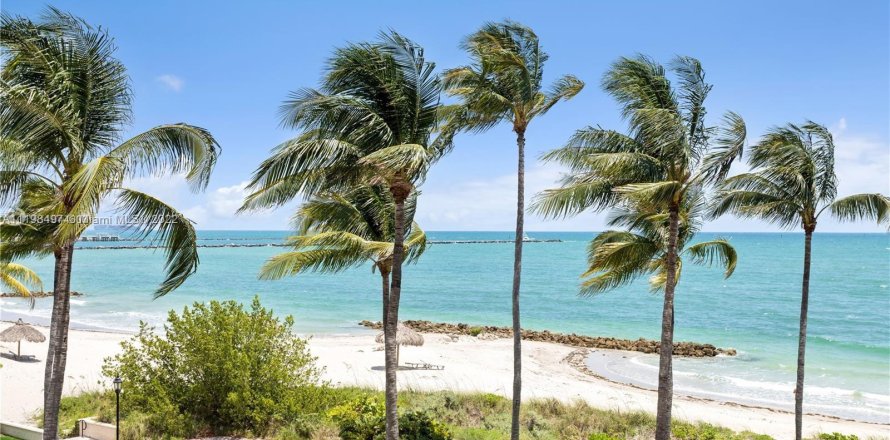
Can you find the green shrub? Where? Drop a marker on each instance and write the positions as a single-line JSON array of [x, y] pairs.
[[365, 419], [837, 436], [704, 431], [474, 331], [419, 426], [218, 369], [601, 436], [361, 419]]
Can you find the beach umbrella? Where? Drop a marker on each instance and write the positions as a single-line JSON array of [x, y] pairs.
[[404, 336], [21, 331]]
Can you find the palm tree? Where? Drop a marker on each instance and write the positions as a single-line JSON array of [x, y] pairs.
[[617, 257], [339, 231], [375, 120], [792, 184], [65, 100], [669, 155], [504, 84]]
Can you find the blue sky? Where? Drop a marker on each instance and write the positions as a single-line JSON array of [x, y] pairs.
[[227, 66]]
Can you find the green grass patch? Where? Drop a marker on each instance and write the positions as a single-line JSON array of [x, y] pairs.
[[466, 416]]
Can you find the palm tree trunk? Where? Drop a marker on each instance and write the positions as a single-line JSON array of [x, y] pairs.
[[802, 341], [54, 375], [517, 273], [384, 274], [666, 349], [400, 193]]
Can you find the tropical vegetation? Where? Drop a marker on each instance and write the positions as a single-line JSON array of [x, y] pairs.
[[19, 279], [505, 83], [367, 138], [339, 231], [791, 184], [64, 103], [654, 178], [217, 368], [376, 120], [438, 414]]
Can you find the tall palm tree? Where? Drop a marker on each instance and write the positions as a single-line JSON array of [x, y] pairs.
[[504, 83], [669, 155], [339, 231], [65, 100], [792, 184], [375, 120]]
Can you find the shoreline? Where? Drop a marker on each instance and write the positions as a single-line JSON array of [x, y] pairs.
[[577, 359], [551, 371]]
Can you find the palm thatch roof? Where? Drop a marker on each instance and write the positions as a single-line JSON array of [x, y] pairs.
[[404, 336], [21, 332]]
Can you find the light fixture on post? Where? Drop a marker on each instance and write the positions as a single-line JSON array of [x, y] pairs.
[[117, 391]]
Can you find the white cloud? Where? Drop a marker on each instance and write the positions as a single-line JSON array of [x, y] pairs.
[[171, 82], [862, 163], [490, 204], [225, 201]]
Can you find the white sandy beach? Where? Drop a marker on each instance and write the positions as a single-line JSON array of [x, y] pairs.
[[470, 364]]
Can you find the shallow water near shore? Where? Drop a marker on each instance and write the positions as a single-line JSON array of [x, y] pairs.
[[755, 311]]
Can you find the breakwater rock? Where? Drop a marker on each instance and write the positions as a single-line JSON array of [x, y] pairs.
[[689, 349], [35, 294]]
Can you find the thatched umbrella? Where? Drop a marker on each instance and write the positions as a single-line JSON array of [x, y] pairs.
[[404, 336], [21, 331]]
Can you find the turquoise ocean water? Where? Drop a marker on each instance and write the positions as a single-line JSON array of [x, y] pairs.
[[755, 311]]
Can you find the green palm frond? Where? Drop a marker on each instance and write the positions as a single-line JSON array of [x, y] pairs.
[[718, 250], [338, 231], [574, 197], [794, 181], [170, 149], [20, 280], [862, 207], [730, 147], [656, 193], [296, 262], [165, 225], [616, 258], [376, 118], [504, 82]]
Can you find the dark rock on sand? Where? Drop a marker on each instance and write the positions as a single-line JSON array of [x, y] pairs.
[[689, 349]]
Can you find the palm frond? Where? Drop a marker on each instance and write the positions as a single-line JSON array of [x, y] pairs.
[[718, 250], [862, 207], [730, 147], [163, 224]]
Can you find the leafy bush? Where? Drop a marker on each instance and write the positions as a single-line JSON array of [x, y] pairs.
[[217, 369], [601, 436], [475, 331], [704, 431], [837, 436], [365, 419], [419, 426]]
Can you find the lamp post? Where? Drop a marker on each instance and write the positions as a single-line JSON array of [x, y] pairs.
[[117, 393]]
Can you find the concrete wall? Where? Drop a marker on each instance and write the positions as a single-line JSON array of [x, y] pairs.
[[21, 431], [96, 430]]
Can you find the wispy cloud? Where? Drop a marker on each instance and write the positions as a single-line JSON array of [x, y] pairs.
[[171, 82]]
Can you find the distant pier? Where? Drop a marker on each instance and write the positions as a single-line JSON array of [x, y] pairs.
[[253, 245], [100, 237]]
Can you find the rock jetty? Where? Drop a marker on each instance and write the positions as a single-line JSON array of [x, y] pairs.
[[688, 349], [35, 294]]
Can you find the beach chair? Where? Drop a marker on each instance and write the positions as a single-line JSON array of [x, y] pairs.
[[424, 366]]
